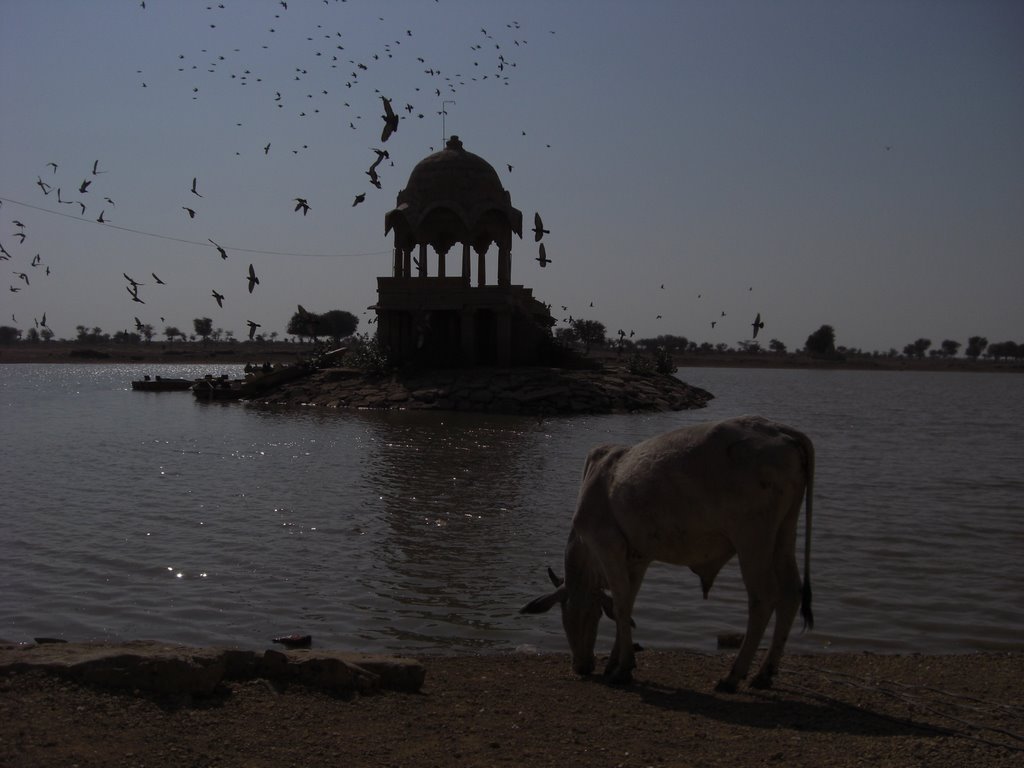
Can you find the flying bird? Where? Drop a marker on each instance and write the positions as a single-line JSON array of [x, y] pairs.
[[757, 324], [191, 213], [301, 203], [253, 280], [194, 192], [543, 259], [158, 280], [100, 218], [359, 198], [390, 120], [95, 168], [54, 166], [252, 328], [221, 251], [85, 186], [219, 297], [538, 228], [266, 149]]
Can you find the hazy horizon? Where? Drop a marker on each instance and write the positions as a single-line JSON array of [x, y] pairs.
[[852, 164]]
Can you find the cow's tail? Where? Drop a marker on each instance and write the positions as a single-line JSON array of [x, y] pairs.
[[805, 602]]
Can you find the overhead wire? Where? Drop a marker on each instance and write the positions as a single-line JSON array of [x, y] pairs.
[[108, 225]]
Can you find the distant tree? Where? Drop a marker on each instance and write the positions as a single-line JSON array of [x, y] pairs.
[[32, 336], [822, 342], [171, 331], [9, 334], [274, 335], [86, 336], [950, 348], [217, 333], [303, 325], [590, 332], [777, 346], [126, 337], [975, 346], [203, 327], [47, 334], [917, 348], [337, 324], [147, 332], [750, 347], [229, 335], [997, 350]]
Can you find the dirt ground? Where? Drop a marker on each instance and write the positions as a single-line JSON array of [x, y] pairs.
[[529, 710]]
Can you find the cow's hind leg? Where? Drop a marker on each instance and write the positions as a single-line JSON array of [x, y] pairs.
[[787, 575], [761, 600]]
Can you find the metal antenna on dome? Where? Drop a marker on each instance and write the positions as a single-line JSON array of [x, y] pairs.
[[444, 134]]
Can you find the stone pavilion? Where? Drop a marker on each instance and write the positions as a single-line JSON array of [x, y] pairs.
[[439, 308]]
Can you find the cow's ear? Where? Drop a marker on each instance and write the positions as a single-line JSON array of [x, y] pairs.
[[555, 578], [544, 603]]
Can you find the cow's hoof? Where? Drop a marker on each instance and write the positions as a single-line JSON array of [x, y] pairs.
[[763, 682], [618, 676], [725, 685]]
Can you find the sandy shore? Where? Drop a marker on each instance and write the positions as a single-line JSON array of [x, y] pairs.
[[529, 710]]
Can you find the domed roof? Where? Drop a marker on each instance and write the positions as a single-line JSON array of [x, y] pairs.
[[459, 183]]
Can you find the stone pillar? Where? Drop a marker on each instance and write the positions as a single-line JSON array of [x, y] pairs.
[[440, 264], [396, 269], [423, 260], [503, 320], [481, 271], [465, 264], [407, 263]]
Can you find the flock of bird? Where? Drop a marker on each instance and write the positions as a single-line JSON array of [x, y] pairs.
[[324, 60], [328, 56]]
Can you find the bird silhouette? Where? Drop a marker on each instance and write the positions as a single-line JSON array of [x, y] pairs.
[[221, 251], [219, 297], [266, 149], [253, 280], [390, 120], [191, 213], [757, 324], [158, 280], [359, 198], [300, 202], [538, 228], [54, 166], [100, 218], [95, 168], [252, 328], [85, 186], [543, 259], [194, 192]]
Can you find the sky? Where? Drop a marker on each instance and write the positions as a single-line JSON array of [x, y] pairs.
[[856, 164]]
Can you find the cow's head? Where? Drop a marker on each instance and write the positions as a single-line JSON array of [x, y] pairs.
[[582, 601]]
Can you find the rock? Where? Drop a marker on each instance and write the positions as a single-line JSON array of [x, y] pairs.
[[535, 391], [182, 670]]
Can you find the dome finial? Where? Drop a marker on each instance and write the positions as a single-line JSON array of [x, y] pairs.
[[453, 143]]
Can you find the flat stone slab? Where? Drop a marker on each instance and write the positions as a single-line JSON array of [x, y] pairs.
[[177, 669]]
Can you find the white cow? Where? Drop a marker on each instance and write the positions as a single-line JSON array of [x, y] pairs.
[[695, 497]]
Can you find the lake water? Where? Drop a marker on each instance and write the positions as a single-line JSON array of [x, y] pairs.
[[150, 515]]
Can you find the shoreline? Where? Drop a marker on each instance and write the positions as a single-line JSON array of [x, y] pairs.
[[529, 709], [240, 353]]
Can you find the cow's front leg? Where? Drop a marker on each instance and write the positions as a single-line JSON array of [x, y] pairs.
[[622, 661]]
